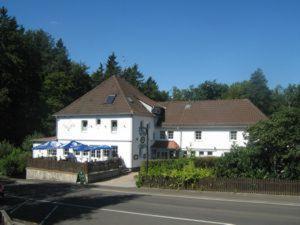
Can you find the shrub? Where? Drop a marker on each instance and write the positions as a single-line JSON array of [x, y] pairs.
[[205, 162], [27, 142], [14, 164], [5, 148]]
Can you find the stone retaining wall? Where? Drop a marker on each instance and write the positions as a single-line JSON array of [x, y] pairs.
[[69, 177]]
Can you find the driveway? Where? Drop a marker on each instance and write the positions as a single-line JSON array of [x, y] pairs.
[[125, 181]]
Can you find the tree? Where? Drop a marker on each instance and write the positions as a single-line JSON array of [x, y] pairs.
[[277, 143], [80, 80], [19, 81], [177, 94], [133, 76], [292, 95], [237, 90], [98, 76], [258, 91], [112, 67], [210, 90]]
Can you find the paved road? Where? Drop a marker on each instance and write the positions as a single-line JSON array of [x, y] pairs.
[[57, 203]]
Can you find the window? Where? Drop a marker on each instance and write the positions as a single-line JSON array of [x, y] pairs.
[[106, 152], [77, 152], [209, 153], [98, 154], [162, 135], [233, 135], [84, 125], [98, 121], [66, 151], [85, 153], [93, 153], [170, 134], [114, 125], [201, 153], [198, 135], [52, 152], [114, 151], [110, 99]]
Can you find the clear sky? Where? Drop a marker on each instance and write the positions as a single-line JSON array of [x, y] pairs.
[[179, 43]]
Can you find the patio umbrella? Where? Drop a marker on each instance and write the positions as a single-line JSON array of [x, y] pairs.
[[47, 145], [98, 147], [71, 144], [82, 147]]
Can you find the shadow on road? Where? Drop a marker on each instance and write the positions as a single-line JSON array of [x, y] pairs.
[[68, 201]]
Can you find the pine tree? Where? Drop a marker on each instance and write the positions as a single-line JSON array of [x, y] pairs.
[[133, 76], [112, 67], [98, 76]]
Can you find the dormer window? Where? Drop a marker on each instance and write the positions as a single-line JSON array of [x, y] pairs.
[[130, 99], [110, 99]]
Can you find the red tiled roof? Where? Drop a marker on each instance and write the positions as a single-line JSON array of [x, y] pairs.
[[127, 100], [165, 144], [234, 112]]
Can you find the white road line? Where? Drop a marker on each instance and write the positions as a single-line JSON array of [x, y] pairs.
[[49, 214], [166, 217], [19, 206], [120, 211], [200, 198]]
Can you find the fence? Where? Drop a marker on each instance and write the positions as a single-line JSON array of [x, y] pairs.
[[74, 167], [268, 186]]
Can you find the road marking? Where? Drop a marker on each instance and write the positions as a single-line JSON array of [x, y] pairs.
[[119, 211], [200, 198], [166, 217], [49, 214], [19, 206]]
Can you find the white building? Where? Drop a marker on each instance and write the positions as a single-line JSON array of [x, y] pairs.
[[113, 113]]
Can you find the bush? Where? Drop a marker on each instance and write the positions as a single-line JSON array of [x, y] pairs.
[[205, 162], [179, 170], [27, 142], [5, 148], [14, 164]]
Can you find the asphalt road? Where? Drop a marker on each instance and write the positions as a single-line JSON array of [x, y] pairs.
[[57, 203]]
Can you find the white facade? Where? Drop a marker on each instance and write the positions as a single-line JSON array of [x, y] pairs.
[[99, 131], [126, 137], [213, 141]]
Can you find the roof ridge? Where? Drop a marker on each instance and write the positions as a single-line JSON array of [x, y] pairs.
[[77, 99], [204, 100], [122, 93]]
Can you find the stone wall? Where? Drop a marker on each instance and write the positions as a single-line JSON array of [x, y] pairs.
[[53, 175]]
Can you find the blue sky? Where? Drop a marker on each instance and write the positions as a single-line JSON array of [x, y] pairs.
[[179, 43]]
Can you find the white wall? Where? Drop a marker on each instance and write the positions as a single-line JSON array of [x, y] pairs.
[[69, 128], [213, 139]]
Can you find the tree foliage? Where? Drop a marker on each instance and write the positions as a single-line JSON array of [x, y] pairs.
[[273, 150]]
